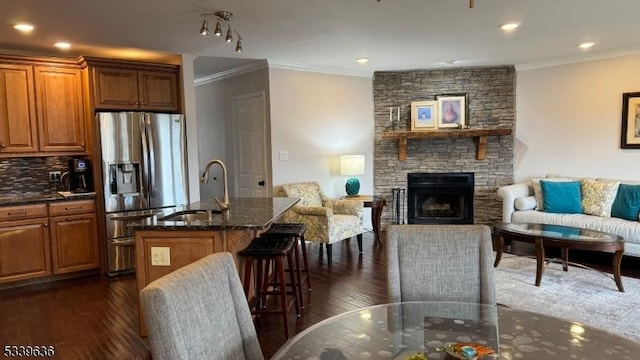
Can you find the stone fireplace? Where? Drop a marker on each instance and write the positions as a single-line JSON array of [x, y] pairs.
[[440, 198], [491, 105]]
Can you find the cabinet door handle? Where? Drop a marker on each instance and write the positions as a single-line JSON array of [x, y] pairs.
[[3, 145], [45, 225], [73, 208], [82, 144]]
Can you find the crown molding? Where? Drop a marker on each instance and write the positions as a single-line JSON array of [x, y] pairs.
[[574, 60], [287, 65], [238, 70]]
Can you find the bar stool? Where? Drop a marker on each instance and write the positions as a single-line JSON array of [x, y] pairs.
[[265, 254], [295, 231]]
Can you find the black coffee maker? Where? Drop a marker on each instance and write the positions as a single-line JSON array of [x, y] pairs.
[[79, 176]]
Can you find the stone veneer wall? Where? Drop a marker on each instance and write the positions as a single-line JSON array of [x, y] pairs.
[[30, 174], [491, 104]]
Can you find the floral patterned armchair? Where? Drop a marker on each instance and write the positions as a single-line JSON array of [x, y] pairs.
[[327, 220]]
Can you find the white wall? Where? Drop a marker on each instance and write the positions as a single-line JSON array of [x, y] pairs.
[[211, 133], [214, 128], [191, 127], [316, 118], [569, 119]]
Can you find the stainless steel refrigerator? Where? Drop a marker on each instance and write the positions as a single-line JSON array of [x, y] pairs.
[[143, 170]]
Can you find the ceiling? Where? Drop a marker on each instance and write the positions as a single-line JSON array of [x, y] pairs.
[[329, 35]]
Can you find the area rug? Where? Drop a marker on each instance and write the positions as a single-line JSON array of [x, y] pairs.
[[586, 296]]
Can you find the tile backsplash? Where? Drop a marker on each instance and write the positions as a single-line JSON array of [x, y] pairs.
[[30, 174]]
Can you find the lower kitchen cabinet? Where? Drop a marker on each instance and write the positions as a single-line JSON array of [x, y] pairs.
[[74, 236], [24, 249], [73, 240], [40, 240]]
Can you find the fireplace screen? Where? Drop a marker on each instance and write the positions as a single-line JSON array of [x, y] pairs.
[[440, 198]]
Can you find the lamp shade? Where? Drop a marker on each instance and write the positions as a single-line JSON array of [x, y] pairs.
[[352, 165]]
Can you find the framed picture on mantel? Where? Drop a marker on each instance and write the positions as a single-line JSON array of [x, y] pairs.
[[424, 115], [452, 110], [630, 137]]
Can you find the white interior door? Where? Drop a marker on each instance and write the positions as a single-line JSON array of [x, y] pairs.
[[249, 127]]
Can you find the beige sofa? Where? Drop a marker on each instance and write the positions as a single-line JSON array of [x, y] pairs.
[[520, 205]]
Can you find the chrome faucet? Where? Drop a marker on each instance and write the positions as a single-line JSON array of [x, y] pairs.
[[224, 204]]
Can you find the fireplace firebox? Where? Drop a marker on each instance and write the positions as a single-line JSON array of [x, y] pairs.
[[440, 198]]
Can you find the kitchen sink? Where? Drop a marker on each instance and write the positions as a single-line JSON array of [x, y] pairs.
[[190, 215]]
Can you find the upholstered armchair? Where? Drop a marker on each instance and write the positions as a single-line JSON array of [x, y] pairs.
[[327, 220]]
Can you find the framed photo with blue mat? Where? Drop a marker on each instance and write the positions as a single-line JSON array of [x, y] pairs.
[[424, 115]]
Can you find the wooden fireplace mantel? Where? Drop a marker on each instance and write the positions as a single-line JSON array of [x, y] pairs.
[[480, 136]]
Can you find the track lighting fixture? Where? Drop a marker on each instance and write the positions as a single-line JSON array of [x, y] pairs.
[[222, 18]]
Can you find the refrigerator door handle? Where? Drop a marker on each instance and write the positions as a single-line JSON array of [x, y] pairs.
[[145, 157], [152, 157]]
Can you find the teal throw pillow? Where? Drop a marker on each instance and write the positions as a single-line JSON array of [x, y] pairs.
[[627, 203], [561, 196]]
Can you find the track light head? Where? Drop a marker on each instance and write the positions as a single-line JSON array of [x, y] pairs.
[[239, 45], [218, 31], [229, 37], [204, 30]]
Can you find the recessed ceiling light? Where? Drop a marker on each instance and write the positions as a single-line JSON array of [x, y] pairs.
[[62, 45], [362, 60], [586, 45], [24, 27], [510, 26]]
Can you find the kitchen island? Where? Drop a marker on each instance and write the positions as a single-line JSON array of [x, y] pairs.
[[184, 234]]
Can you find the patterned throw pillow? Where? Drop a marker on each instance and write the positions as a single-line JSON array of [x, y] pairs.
[[537, 190], [598, 197]]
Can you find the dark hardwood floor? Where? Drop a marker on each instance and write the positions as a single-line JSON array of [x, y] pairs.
[[96, 317]]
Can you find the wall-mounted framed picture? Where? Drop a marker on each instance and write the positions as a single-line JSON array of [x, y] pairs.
[[630, 137], [424, 115], [452, 110]]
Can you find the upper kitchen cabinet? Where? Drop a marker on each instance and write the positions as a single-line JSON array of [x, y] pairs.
[[42, 111], [18, 127], [60, 109], [132, 86]]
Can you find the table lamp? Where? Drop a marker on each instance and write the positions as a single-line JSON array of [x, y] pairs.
[[352, 165]]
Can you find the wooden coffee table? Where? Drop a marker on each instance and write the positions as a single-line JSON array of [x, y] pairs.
[[564, 237]]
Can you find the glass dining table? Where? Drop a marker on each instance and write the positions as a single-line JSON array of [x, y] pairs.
[[435, 329]]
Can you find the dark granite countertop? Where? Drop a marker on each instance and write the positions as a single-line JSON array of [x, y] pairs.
[[243, 214], [36, 197]]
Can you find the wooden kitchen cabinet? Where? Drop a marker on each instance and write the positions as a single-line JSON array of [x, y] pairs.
[[60, 107], [24, 243], [39, 240], [136, 88], [18, 126], [74, 236], [41, 108]]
